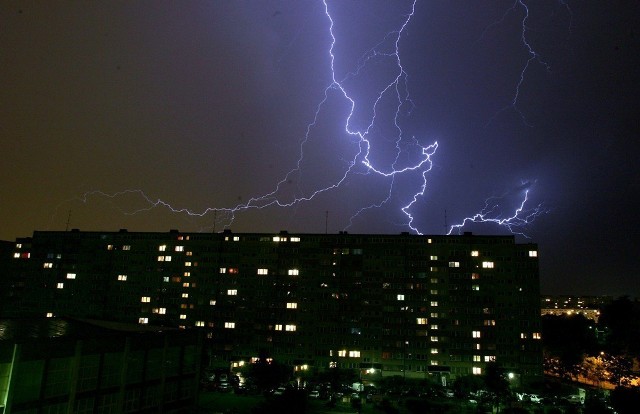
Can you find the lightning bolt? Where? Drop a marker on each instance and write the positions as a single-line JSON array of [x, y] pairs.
[[411, 158], [534, 56], [516, 223], [396, 88]]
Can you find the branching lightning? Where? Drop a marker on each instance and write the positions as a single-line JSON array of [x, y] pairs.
[[522, 216], [361, 162], [516, 223], [534, 56]]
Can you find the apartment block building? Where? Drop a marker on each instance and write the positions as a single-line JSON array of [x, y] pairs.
[[403, 304]]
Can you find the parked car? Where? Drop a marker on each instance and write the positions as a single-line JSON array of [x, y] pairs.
[[224, 386], [314, 394]]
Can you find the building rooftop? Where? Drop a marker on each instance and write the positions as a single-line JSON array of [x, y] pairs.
[[25, 329]]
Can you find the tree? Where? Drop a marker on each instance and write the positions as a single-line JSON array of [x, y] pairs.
[[466, 384], [625, 400], [497, 383], [567, 338], [622, 317], [267, 373]]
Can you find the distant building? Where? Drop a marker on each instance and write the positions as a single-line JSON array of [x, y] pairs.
[[402, 304], [59, 366], [587, 306]]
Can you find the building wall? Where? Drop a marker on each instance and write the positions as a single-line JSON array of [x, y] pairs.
[[121, 373], [413, 304]]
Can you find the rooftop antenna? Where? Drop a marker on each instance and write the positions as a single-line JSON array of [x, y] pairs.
[[446, 226], [326, 222], [68, 220]]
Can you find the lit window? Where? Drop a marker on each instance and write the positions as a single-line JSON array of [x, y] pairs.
[[179, 248], [434, 362], [434, 303], [183, 316], [433, 339], [164, 258], [475, 287], [421, 321], [475, 276], [236, 238], [433, 257], [434, 280], [126, 247], [122, 278], [489, 322], [475, 334], [185, 295], [49, 315], [342, 353], [162, 248], [536, 335], [223, 270], [263, 271], [400, 297], [475, 253], [189, 253], [434, 350], [477, 371], [454, 264], [477, 347], [477, 358], [110, 247], [145, 299], [230, 325], [187, 274], [276, 238], [18, 245], [434, 314], [294, 239], [60, 285], [523, 335], [199, 323], [433, 269], [232, 292], [533, 253], [290, 328], [162, 311], [71, 275], [212, 302], [48, 265], [487, 265], [185, 284], [143, 321], [187, 264], [489, 358], [233, 270], [16, 255], [164, 278], [292, 305], [354, 354], [278, 327], [434, 327], [434, 291], [294, 272]]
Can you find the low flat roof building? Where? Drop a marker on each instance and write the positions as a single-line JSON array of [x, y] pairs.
[[61, 365]]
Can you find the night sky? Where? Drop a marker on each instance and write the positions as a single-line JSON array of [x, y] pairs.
[[109, 108]]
